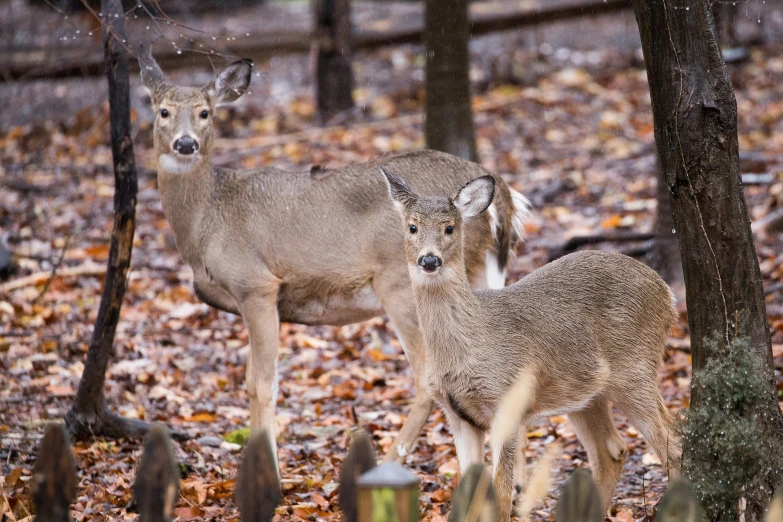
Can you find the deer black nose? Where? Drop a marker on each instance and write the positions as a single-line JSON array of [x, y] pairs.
[[430, 262], [186, 145]]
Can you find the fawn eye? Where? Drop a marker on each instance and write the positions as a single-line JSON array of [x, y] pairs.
[[204, 114], [164, 113], [413, 229], [449, 229]]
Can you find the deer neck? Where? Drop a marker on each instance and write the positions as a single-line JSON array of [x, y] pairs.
[[449, 316], [184, 193]]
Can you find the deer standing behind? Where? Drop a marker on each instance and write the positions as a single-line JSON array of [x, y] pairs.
[[573, 336], [319, 247]]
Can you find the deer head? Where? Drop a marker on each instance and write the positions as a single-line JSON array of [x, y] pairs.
[[434, 225], [183, 132]]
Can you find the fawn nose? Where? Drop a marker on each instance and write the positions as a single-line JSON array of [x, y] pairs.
[[430, 262], [186, 145]]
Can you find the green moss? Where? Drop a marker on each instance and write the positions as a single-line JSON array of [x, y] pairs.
[[728, 453], [238, 437]]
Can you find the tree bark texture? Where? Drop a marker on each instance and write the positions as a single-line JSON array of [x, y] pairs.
[[665, 254], [334, 75], [448, 124], [89, 416], [695, 116]]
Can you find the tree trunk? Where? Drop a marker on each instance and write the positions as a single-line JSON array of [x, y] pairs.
[[89, 416], [334, 76], [695, 115], [448, 124], [665, 254]]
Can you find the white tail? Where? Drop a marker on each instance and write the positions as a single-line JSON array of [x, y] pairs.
[[573, 336]]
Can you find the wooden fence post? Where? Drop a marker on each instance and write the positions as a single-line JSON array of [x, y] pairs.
[[679, 504], [474, 500], [54, 476], [258, 485], [388, 493], [360, 459], [580, 500], [157, 480]]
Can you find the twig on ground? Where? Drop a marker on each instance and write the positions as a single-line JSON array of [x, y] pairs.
[[55, 266]]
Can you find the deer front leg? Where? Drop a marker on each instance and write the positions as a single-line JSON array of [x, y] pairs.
[[396, 297], [263, 325], [468, 440]]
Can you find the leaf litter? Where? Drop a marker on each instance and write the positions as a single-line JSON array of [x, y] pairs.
[[577, 141]]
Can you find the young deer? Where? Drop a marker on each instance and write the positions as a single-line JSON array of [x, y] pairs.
[[320, 248], [573, 336]]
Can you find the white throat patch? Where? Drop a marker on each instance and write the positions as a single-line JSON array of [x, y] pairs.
[[177, 164]]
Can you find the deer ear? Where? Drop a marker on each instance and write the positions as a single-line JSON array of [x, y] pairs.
[[399, 191], [231, 82], [151, 74], [475, 197]]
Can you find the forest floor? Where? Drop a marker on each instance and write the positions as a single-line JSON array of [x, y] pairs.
[[571, 129]]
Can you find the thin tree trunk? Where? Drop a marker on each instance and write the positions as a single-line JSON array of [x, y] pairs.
[[695, 115], [448, 124], [665, 254], [89, 416], [334, 75]]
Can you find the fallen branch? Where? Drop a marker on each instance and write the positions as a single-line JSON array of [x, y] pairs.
[[612, 237], [773, 288], [41, 277], [772, 223]]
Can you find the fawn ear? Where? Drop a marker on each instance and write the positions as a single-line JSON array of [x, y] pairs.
[[231, 82], [151, 74], [475, 197], [399, 191]]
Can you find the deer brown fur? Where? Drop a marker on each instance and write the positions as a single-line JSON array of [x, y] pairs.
[[574, 336], [311, 248]]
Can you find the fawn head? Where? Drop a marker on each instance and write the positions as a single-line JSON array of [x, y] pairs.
[[183, 123], [433, 225]]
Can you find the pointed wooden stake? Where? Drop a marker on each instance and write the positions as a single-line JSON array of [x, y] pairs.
[[54, 476]]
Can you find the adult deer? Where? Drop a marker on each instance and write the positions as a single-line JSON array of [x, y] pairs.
[[573, 336], [302, 247]]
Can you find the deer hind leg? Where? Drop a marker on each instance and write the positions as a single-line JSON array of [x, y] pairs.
[[397, 301], [520, 468], [263, 325], [504, 456], [647, 412], [605, 447]]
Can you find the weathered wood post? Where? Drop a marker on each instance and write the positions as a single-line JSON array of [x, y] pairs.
[[679, 504], [54, 476], [258, 487], [388, 493], [360, 460], [580, 500], [474, 500], [156, 487]]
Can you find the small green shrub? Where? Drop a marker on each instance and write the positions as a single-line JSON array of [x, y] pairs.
[[728, 453]]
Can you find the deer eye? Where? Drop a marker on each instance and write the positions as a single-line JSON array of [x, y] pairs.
[[204, 114], [449, 230], [413, 229], [164, 113]]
